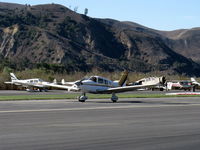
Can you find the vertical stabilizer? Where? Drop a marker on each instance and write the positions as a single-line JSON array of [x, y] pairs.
[[63, 81], [55, 81], [13, 77], [193, 80], [123, 78]]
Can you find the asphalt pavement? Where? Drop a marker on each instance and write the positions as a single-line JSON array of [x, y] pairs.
[[57, 92], [99, 124]]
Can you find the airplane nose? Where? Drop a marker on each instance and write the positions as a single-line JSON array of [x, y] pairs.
[[163, 80], [79, 83]]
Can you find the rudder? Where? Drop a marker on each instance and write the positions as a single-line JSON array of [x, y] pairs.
[[123, 78], [13, 77]]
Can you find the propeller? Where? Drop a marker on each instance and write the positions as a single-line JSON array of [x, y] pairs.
[[163, 80], [79, 82]]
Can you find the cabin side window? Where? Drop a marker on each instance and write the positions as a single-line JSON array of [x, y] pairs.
[[106, 82], [100, 80]]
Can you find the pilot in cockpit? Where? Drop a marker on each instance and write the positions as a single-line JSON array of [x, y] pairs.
[[93, 79]]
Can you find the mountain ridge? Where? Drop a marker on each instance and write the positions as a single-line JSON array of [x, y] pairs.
[[54, 34]]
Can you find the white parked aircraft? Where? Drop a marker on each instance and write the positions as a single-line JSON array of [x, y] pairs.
[[100, 85], [180, 85], [72, 86], [151, 80], [30, 84], [194, 82]]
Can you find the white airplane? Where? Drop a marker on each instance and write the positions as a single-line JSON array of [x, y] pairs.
[[180, 85], [72, 86], [194, 82], [151, 80], [100, 85], [30, 84]]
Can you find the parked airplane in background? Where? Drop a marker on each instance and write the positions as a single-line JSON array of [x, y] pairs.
[[194, 82], [151, 80], [100, 85], [72, 86], [30, 84], [181, 85]]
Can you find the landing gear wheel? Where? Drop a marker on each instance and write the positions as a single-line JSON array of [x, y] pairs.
[[114, 98], [114, 101], [82, 98]]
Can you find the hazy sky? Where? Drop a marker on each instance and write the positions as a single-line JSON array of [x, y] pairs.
[[157, 14]]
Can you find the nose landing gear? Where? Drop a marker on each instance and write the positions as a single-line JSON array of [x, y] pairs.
[[82, 98]]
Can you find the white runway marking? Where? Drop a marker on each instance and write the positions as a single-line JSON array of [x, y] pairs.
[[184, 93], [98, 108]]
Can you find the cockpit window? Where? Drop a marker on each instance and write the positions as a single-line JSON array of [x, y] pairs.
[[93, 79]]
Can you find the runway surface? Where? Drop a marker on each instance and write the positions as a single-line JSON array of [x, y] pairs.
[[57, 92], [139, 124]]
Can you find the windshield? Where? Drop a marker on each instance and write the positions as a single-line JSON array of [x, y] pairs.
[[93, 79]]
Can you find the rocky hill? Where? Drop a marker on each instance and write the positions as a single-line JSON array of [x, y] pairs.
[[185, 42], [54, 36]]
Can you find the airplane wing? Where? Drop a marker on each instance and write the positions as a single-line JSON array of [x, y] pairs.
[[8, 82], [26, 84], [125, 88], [61, 86], [12, 83]]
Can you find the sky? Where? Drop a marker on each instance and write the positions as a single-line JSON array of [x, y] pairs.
[[157, 14]]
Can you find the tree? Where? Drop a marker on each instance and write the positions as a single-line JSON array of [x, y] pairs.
[[86, 11]]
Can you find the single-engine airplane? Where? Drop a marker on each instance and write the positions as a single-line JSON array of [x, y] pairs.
[[30, 84], [101, 85], [151, 80], [181, 85], [194, 82]]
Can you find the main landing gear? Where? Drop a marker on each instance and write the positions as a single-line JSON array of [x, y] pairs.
[[114, 98], [82, 98]]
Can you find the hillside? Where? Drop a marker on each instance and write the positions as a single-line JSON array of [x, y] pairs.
[[55, 37], [185, 42]]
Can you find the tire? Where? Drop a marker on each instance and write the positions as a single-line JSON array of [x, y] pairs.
[[81, 100], [114, 101]]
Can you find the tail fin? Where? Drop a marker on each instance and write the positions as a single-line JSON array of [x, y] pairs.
[[13, 77], [123, 78], [63, 81], [193, 80], [54, 81]]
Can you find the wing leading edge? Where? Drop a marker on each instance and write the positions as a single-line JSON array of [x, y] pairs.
[[125, 88], [61, 86]]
